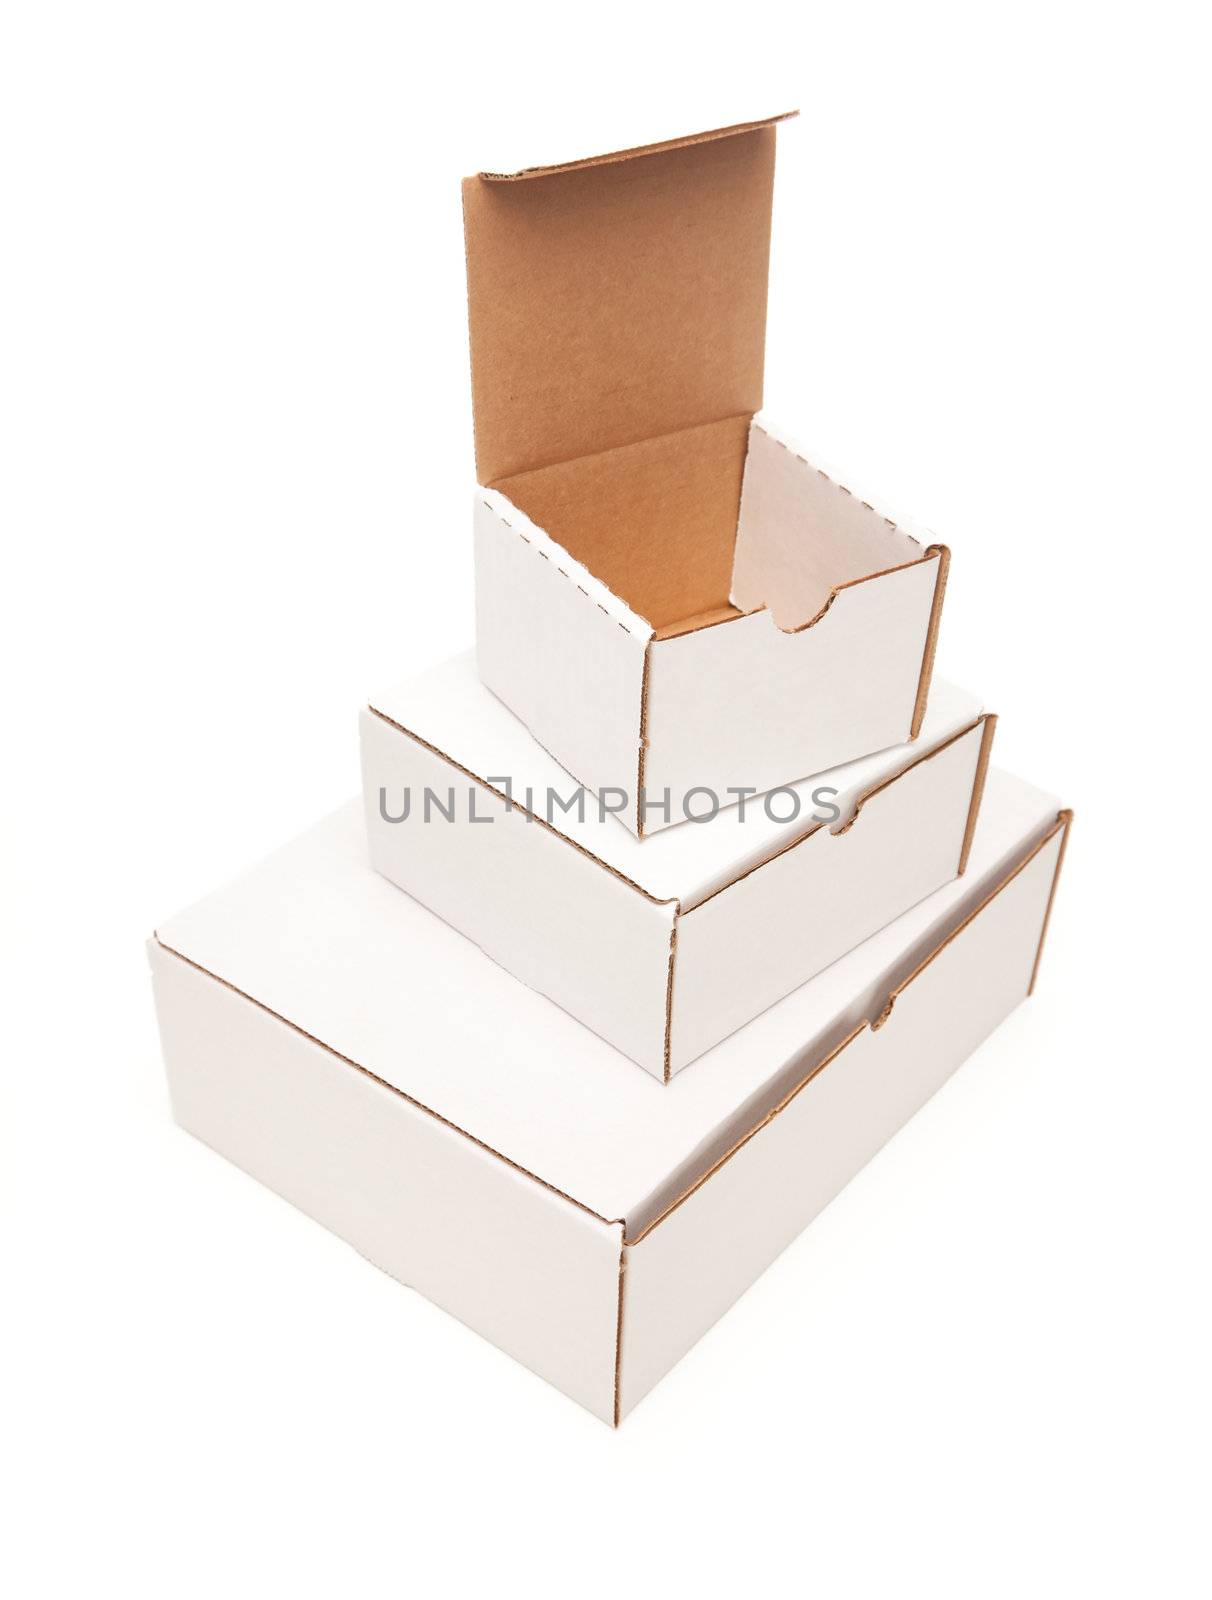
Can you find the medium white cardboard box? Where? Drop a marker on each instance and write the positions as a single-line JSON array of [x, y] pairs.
[[666, 945], [342, 1044], [668, 593]]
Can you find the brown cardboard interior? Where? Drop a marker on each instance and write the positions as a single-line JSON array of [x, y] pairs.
[[617, 301], [617, 313], [637, 150], [654, 521]]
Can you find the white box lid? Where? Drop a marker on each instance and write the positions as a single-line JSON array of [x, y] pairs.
[[317, 937], [449, 709]]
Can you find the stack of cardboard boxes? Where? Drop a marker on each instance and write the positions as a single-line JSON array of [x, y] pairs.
[[749, 947]]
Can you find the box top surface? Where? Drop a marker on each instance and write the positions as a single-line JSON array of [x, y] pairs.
[[618, 297], [449, 709], [316, 936]]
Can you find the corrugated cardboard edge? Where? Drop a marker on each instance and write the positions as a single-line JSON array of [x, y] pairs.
[[636, 150], [931, 646], [862, 799], [988, 718], [1061, 826], [978, 790], [673, 955], [985, 719], [1062, 822], [357, 1066], [934, 552], [839, 588], [516, 805], [989, 721], [1067, 818], [636, 626], [618, 1329], [642, 759]]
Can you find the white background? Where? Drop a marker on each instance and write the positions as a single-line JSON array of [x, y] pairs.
[[235, 469]]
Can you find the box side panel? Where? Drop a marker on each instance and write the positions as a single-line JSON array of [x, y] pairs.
[[547, 912], [528, 1269], [566, 656], [753, 942], [689, 1268], [801, 533], [745, 705]]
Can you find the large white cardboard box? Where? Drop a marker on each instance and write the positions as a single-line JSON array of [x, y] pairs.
[[668, 592], [342, 1044], [666, 945]]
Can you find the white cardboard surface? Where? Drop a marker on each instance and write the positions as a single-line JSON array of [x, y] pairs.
[[537, 1276], [685, 1273], [447, 708], [317, 937], [596, 1236], [742, 703], [765, 694], [745, 948], [662, 947], [552, 640], [550, 914], [775, 564]]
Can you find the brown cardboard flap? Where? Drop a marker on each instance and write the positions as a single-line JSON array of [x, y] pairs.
[[654, 521], [618, 298], [638, 150]]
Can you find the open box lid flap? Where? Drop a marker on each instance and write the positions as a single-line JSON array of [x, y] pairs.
[[619, 297]]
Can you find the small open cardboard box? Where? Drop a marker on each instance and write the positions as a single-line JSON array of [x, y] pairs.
[[342, 1044], [668, 594], [662, 946]]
